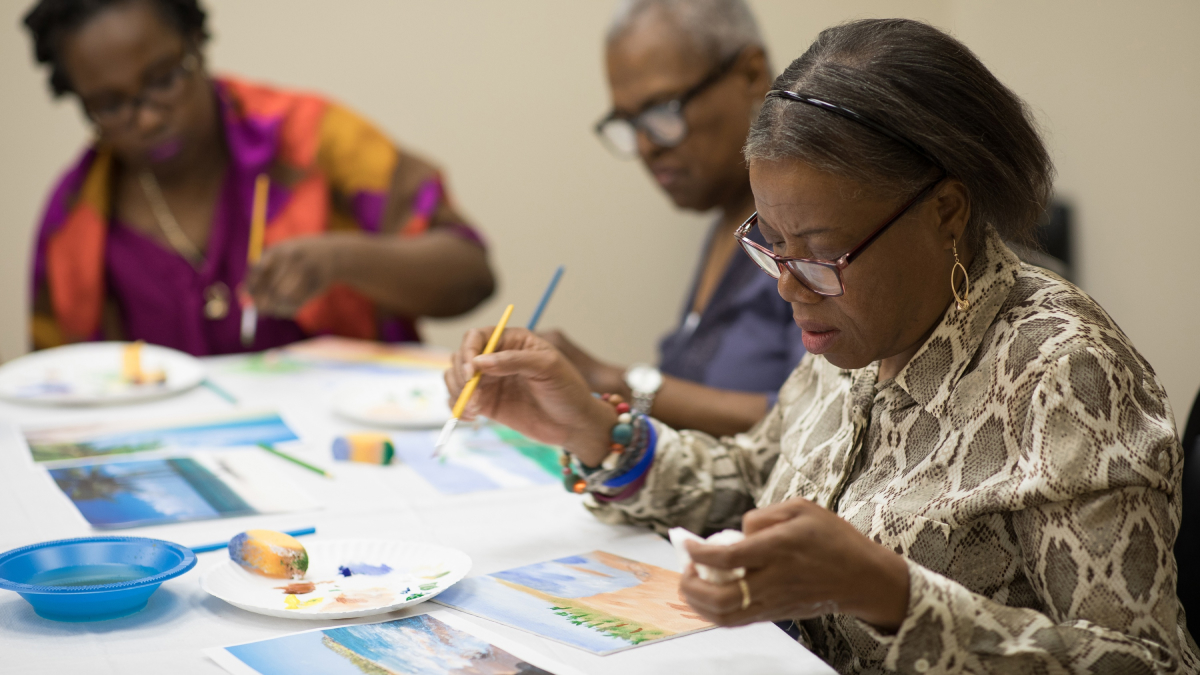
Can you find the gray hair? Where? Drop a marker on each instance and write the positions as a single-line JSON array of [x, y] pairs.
[[719, 28], [924, 85]]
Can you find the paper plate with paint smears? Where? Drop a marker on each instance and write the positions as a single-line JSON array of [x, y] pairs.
[[98, 373], [345, 579], [402, 402]]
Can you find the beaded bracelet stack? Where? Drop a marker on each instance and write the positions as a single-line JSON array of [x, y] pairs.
[[621, 468]]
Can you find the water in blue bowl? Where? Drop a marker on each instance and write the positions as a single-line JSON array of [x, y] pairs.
[[91, 575]]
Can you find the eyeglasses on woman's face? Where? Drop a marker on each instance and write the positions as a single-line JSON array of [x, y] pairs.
[[663, 123], [115, 112], [823, 277]]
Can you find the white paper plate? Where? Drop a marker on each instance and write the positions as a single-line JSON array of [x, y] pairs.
[[403, 401], [418, 572], [90, 374]]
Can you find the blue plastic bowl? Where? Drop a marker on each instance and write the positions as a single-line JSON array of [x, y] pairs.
[[92, 578]]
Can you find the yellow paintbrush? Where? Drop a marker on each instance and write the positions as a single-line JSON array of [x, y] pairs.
[[258, 226], [465, 396]]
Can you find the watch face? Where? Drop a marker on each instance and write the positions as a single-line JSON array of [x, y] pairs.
[[644, 378]]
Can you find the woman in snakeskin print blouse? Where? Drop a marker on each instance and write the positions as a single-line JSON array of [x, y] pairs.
[[962, 476]]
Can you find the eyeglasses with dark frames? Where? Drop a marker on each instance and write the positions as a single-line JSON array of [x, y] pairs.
[[824, 277], [663, 123], [164, 91]]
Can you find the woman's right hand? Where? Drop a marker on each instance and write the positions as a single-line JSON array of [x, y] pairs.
[[530, 386]]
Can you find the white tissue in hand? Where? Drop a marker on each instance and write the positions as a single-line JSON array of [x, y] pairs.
[[714, 575]]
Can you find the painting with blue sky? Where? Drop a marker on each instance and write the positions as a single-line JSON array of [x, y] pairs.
[[103, 439], [596, 601], [198, 487], [128, 494], [418, 645], [478, 458]]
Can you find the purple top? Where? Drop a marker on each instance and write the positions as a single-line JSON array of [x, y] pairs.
[[745, 340], [161, 295]]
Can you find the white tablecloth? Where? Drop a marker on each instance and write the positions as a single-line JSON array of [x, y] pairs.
[[498, 529]]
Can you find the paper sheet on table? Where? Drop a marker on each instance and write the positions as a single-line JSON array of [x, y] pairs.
[[335, 351], [597, 601], [200, 486], [110, 439], [437, 643], [479, 457]]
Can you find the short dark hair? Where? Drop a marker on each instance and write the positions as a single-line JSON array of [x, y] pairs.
[[927, 87], [49, 20]]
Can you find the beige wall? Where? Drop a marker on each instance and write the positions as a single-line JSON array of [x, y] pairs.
[[503, 95]]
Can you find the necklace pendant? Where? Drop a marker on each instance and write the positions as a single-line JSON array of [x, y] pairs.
[[963, 305], [216, 301]]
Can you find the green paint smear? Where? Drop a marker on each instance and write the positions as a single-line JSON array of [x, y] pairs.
[[545, 456], [414, 596], [622, 629], [259, 364], [429, 587]]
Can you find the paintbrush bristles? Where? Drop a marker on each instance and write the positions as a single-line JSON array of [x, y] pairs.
[[249, 324], [447, 431]]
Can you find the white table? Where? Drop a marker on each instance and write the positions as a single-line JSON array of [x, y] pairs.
[[498, 529]]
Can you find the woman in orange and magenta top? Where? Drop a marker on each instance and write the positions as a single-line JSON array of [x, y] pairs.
[[146, 236]]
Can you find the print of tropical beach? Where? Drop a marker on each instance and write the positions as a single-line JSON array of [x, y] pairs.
[[595, 601], [419, 645], [106, 439]]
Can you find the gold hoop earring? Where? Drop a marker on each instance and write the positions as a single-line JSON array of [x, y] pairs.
[[963, 302]]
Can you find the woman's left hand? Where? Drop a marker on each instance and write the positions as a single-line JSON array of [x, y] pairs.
[[291, 273], [801, 561]]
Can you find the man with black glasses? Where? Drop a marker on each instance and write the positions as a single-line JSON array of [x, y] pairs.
[[686, 77]]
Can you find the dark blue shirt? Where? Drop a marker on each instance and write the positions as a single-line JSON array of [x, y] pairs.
[[745, 339]]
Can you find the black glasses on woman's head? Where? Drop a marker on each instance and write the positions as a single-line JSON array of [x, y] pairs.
[[663, 123], [853, 116]]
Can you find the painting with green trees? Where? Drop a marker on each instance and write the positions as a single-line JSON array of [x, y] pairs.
[[596, 601]]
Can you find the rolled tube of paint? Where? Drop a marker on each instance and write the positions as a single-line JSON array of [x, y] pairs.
[[366, 448]]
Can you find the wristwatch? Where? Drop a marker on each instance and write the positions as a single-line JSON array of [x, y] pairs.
[[644, 381]]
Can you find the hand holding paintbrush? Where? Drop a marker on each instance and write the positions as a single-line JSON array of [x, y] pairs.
[[528, 385], [464, 397]]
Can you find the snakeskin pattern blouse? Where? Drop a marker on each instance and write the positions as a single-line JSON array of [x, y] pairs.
[[1024, 462]]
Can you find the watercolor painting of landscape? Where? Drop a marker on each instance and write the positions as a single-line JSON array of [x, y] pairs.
[[150, 492], [596, 601], [479, 457], [334, 351], [418, 645], [103, 439]]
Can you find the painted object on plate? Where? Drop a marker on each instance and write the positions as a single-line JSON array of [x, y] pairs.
[[131, 367], [269, 553]]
